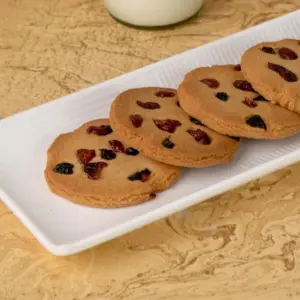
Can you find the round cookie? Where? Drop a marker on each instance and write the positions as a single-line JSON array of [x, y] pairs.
[[92, 166], [273, 68], [151, 120], [222, 99]]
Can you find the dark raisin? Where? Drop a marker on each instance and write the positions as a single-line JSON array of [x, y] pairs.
[[153, 195], [243, 85], [237, 68], [85, 155], [148, 105], [178, 104], [100, 130], [288, 54], [167, 125], [260, 98], [256, 121], [236, 138], [222, 96], [200, 136], [132, 151], [136, 120], [117, 146], [142, 175], [269, 50], [165, 94], [283, 72], [212, 83], [64, 168], [93, 170], [167, 143], [249, 102], [196, 121], [107, 154]]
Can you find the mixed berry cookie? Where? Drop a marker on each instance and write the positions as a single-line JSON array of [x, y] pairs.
[[222, 99], [151, 120], [93, 167], [273, 68]]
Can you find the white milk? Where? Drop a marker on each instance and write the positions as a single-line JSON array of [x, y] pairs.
[[152, 12]]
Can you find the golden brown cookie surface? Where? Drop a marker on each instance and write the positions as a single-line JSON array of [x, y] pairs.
[[225, 101], [151, 120], [93, 167], [273, 68]]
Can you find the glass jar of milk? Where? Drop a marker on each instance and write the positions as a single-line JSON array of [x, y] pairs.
[[152, 13]]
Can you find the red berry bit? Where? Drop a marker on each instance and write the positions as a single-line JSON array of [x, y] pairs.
[[100, 130], [283, 72], [243, 85], [93, 170], [167, 125], [141, 176], [212, 83], [85, 155], [200, 136], [268, 50], [117, 146], [237, 68], [249, 102], [165, 94], [136, 120], [148, 105], [287, 54]]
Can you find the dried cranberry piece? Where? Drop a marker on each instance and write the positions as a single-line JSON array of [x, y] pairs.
[[249, 102], [131, 151], [94, 169], [212, 83], [136, 120], [100, 130], [222, 96], [168, 144], [142, 175], [117, 146], [107, 154], [243, 85], [200, 136], [85, 155], [148, 105], [165, 94], [64, 168], [288, 54], [260, 98], [196, 121], [167, 125], [283, 72], [269, 50], [256, 121], [236, 138], [237, 68]]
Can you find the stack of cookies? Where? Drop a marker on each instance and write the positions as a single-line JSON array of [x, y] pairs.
[[153, 132]]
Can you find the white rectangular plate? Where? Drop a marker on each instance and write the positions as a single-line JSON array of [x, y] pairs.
[[64, 228]]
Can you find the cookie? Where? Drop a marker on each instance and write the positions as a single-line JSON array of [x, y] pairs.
[[222, 99], [273, 68], [151, 120], [93, 167]]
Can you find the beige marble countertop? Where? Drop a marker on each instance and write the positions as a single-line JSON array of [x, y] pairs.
[[241, 245]]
